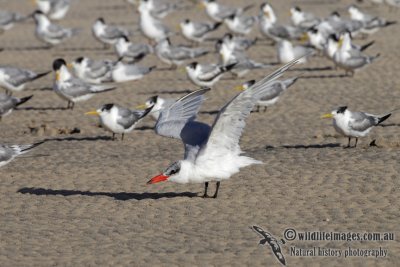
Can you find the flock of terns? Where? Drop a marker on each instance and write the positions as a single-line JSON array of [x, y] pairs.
[[212, 152]]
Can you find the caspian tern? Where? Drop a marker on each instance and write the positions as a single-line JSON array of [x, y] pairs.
[[212, 153]]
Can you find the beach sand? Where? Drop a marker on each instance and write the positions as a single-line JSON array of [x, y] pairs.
[[81, 199]]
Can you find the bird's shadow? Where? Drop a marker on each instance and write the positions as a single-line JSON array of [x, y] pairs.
[[389, 125], [211, 112], [330, 145], [42, 108], [313, 69], [166, 92], [87, 138], [144, 128], [324, 76], [117, 195]]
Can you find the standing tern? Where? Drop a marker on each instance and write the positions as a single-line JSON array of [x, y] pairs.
[[50, 33], [354, 124], [242, 63], [206, 147], [176, 55], [117, 119], [122, 72], [372, 23], [273, 95], [130, 51], [152, 28], [197, 31], [10, 152], [236, 42], [108, 34], [206, 75], [159, 9], [73, 89], [350, 59], [92, 71], [240, 24], [8, 103], [303, 19], [15, 79], [271, 29], [54, 9], [287, 52], [219, 12]]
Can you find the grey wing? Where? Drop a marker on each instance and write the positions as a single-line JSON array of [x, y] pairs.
[[210, 75], [113, 32], [76, 87], [136, 70], [56, 32], [356, 62], [6, 153], [7, 103], [362, 121], [230, 122], [201, 28], [178, 53], [280, 31], [18, 76], [226, 12], [99, 69], [128, 117], [275, 90], [174, 118]]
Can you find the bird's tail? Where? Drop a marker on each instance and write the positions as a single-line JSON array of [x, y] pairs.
[[216, 25], [383, 118], [40, 75], [290, 81], [24, 99], [363, 47], [373, 58], [388, 23], [228, 67]]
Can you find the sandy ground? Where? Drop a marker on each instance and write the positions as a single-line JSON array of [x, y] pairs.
[[82, 200]]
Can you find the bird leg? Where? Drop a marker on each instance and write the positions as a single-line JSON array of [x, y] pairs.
[[8, 92], [205, 190], [113, 136], [216, 189], [265, 109], [348, 144], [356, 142], [122, 137], [258, 109]]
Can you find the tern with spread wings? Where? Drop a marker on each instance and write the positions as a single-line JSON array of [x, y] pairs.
[[212, 153]]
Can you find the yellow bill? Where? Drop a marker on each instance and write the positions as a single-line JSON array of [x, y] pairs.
[[327, 116], [304, 37], [57, 75], [239, 88], [94, 112], [141, 107]]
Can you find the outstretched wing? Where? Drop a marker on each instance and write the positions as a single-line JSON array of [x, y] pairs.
[[173, 119], [230, 122]]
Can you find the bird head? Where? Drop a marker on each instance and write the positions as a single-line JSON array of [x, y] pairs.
[[170, 172], [58, 66], [341, 111], [105, 109], [150, 102], [245, 85]]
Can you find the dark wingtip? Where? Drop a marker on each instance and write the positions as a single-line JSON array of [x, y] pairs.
[[382, 119], [24, 99]]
